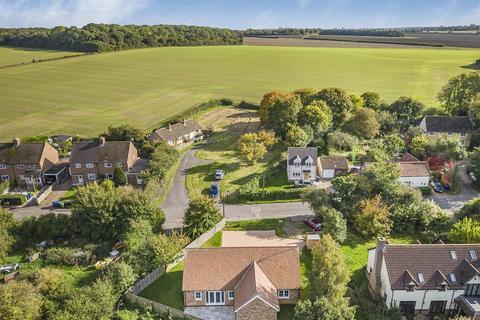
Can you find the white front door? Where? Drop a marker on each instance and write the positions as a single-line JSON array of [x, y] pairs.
[[80, 179]]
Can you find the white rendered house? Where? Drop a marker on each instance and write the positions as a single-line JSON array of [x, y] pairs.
[[302, 165]]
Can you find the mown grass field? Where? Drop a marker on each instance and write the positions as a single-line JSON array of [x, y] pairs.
[[10, 55], [142, 87]]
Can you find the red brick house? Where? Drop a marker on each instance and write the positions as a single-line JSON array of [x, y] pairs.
[[246, 282], [93, 160], [23, 164]]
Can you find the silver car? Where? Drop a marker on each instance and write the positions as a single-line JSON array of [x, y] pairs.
[[219, 174]]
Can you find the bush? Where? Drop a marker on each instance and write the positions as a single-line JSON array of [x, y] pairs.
[[4, 186], [426, 191], [67, 256], [50, 226], [12, 200], [121, 275], [251, 191]]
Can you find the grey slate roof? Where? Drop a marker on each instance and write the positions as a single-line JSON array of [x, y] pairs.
[[447, 124], [303, 154], [434, 261], [175, 131], [91, 151], [329, 162], [139, 166], [24, 153]]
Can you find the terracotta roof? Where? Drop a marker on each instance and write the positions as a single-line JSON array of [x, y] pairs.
[[303, 154], [255, 284], [447, 123], [223, 268], [413, 169], [24, 153], [92, 151], [434, 261], [329, 162], [175, 131]]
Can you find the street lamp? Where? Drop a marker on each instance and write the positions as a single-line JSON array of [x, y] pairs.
[[223, 201]]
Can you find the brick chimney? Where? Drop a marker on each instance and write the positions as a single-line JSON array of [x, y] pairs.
[[16, 142], [101, 140], [377, 266]]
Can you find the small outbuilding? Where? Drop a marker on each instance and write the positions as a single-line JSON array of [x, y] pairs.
[[330, 166]]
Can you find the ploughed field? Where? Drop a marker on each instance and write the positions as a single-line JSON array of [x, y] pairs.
[[142, 87]]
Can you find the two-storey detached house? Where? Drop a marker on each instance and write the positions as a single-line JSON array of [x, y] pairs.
[[23, 164], [451, 126], [93, 160], [429, 279], [302, 165]]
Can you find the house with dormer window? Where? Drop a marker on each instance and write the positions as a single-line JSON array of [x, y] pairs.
[[435, 280], [302, 165]]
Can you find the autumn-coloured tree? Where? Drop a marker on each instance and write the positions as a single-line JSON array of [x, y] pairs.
[[268, 101], [267, 137], [306, 95], [373, 218], [250, 149]]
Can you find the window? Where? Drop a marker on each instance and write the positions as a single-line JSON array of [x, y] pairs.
[[215, 297], [230, 295], [472, 290], [453, 278], [297, 163], [453, 254], [198, 295], [109, 175], [119, 164], [20, 166], [283, 294], [450, 133], [4, 178], [91, 176], [31, 166], [107, 165], [473, 255], [3, 166], [78, 165], [407, 307], [88, 165], [421, 279], [411, 287], [438, 306], [463, 134]]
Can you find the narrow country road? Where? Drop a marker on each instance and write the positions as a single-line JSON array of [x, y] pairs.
[[177, 201]]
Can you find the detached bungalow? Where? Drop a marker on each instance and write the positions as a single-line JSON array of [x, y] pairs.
[[413, 172], [178, 134], [240, 283]]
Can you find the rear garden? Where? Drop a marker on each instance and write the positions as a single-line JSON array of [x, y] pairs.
[[168, 288]]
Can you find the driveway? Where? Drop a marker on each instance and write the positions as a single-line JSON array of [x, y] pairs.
[[177, 198], [453, 202]]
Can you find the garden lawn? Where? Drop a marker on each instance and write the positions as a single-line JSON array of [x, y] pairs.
[[12, 55], [142, 87]]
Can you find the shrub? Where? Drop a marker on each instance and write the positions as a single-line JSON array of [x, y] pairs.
[[121, 275], [12, 199], [67, 256], [343, 141], [426, 191], [4, 186], [252, 191]]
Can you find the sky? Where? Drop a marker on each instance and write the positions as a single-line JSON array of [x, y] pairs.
[[242, 14]]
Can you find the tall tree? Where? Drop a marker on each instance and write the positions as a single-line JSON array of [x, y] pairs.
[[269, 99], [329, 274], [124, 133], [283, 113], [306, 95], [338, 101], [20, 300], [372, 100], [459, 94], [364, 123], [297, 137], [250, 148], [201, 215], [465, 231], [407, 111], [373, 218], [324, 309], [317, 116], [6, 239]]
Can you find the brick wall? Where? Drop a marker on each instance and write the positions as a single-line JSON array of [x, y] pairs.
[[257, 309], [293, 297]]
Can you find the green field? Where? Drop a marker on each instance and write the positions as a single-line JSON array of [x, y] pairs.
[[142, 87], [9, 55]]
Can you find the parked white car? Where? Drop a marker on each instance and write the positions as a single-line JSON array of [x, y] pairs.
[[219, 174], [9, 268]]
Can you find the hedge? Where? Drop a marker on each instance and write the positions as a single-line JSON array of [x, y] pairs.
[[426, 191], [251, 191], [12, 199]]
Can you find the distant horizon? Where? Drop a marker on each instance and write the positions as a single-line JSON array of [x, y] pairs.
[[242, 15]]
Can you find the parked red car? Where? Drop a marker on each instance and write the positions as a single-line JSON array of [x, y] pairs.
[[313, 223]]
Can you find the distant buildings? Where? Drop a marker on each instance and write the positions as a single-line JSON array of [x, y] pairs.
[[452, 126], [178, 134], [429, 279]]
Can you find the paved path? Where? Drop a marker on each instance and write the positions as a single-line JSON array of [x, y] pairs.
[[453, 202], [177, 198]]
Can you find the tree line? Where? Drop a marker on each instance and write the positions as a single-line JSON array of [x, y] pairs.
[[111, 37], [311, 31]]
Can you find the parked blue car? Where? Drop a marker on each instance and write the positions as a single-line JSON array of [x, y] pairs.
[[215, 190], [58, 204], [437, 186]]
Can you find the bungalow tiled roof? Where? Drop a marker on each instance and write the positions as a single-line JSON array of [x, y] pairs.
[[223, 268], [332, 162], [436, 262], [175, 131], [413, 169]]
